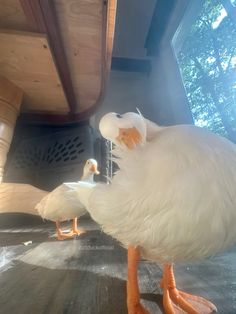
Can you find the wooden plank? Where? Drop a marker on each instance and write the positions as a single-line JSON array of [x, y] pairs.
[[86, 79], [10, 101], [26, 60], [83, 26], [12, 16], [54, 36], [10, 93], [87, 275], [41, 16], [80, 24], [87, 31], [33, 14], [19, 198], [111, 18]]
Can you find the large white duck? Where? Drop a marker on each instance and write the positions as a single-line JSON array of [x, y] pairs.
[[172, 199], [63, 202]]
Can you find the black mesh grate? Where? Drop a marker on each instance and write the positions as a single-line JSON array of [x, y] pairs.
[[48, 160], [27, 157], [66, 150]]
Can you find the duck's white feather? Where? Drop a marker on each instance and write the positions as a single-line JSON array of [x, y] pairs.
[[83, 191], [174, 197], [61, 204]]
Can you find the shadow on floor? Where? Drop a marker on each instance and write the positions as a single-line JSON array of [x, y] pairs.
[[27, 288], [155, 298]]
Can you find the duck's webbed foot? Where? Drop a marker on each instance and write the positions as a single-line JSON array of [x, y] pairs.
[[176, 301], [75, 229], [61, 235]]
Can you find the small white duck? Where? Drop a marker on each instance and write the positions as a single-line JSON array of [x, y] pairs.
[[172, 199], [63, 203]]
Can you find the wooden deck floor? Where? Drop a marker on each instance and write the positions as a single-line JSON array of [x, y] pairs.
[[86, 275]]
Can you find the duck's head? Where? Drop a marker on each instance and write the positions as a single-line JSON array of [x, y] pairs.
[[125, 130], [90, 168]]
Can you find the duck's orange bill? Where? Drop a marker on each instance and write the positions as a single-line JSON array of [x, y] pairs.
[[94, 169], [130, 137]]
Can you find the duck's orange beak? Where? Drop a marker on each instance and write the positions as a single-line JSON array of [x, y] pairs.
[[130, 137], [94, 169]]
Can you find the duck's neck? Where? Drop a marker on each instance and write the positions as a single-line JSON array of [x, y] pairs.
[[88, 177], [152, 129]]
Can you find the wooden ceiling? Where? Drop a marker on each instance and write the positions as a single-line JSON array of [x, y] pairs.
[[12, 16], [59, 53], [26, 60]]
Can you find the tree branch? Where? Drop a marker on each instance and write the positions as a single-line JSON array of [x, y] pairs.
[[211, 87], [232, 55], [205, 22], [217, 55]]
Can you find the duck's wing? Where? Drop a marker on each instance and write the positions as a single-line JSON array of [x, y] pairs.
[[83, 190], [51, 201]]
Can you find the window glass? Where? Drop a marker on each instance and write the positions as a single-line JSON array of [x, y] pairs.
[[207, 60]]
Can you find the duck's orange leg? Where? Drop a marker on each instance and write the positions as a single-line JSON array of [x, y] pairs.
[[75, 229], [176, 301], [60, 234], [133, 294]]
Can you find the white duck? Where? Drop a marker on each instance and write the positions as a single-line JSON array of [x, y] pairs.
[[172, 199], [63, 202]]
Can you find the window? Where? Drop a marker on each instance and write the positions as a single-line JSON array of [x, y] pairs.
[[205, 47]]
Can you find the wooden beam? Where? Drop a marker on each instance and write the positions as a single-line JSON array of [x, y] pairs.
[[131, 65], [10, 101], [40, 16], [159, 22], [12, 16]]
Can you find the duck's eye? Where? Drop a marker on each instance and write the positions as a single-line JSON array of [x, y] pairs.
[[118, 115]]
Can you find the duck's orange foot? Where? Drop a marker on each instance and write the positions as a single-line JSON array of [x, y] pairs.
[[176, 302], [78, 231], [75, 229], [179, 302], [202, 305], [136, 309], [62, 236]]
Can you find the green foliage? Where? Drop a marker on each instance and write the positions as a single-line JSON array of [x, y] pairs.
[[208, 65]]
